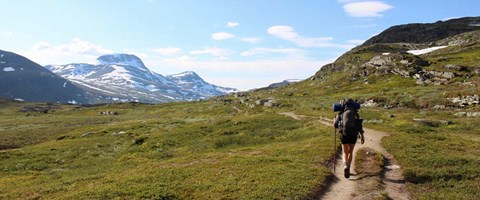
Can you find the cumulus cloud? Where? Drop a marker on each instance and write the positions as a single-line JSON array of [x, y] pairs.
[[355, 41], [290, 52], [6, 33], [233, 24], [75, 51], [170, 51], [252, 40], [289, 34], [213, 51], [222, 36], [366, 8]]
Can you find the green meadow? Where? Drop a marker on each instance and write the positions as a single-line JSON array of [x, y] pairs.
[[197, 150]]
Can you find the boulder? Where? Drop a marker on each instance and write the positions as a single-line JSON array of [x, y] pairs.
[[449, 75]]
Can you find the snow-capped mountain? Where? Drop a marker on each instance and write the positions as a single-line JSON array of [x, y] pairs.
[[124, 77], [192, 82]]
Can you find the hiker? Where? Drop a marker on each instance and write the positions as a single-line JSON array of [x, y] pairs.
[[350, 126]]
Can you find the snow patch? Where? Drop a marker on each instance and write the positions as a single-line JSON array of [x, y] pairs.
[[89, 86], [427, 50], [386, 53], [72, 102], [474, 24], [1, 56], [8, 69], [18, 99], [183, 74], [65, 84]]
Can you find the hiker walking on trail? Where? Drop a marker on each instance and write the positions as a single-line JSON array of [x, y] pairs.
[[350, 127]]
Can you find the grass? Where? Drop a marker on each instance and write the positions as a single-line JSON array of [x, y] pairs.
[[227, 150], [196, 150], [440, 159]]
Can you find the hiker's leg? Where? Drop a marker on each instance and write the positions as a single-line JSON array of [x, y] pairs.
[[350, 152], [345, 152]]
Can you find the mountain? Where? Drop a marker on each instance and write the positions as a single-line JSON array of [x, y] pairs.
[[23, 79], [193, 83], [434, 65], [124, 77], [282, 84], [427, 32]]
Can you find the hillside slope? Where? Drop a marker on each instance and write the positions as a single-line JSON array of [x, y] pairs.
[[22, 79]]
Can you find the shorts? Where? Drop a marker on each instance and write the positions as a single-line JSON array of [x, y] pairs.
[[348, 139]]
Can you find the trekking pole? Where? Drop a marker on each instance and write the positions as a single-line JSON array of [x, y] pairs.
[[334, 149]]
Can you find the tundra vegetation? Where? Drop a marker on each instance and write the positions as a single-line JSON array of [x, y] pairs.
[[240, 147]]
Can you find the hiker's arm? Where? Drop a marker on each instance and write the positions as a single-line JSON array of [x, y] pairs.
[[336, 121]]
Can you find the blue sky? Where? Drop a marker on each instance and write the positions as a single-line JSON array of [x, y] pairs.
[[237, 43]]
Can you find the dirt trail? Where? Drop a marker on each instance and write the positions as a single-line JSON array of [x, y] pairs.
[[342, 188]]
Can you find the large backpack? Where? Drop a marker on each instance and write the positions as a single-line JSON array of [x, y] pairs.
[[350, 123]]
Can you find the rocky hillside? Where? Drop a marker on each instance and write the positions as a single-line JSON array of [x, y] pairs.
[[428, 32], [440, 57], [25, 80]]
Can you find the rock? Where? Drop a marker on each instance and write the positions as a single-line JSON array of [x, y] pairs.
[[439, 107], [392, 167], [370, 103], [108, 112], [449, 75], [427, 122], [468, 114], [138, 141], [86, 134], [61, 137], [452, 67], [270, 102], [466, 100], [477, 71], [119, 133], [240, 94]]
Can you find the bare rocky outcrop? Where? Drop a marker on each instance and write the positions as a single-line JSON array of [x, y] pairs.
[[466, 100]]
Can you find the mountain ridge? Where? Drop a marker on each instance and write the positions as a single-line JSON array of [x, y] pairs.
[[125, 77], [25, 80]]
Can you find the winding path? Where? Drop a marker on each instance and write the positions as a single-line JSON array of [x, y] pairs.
[[342, 188]]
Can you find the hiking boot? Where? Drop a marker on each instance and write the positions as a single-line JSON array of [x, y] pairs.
[[346, 172]]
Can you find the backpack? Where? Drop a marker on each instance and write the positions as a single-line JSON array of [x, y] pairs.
[[350, 122]]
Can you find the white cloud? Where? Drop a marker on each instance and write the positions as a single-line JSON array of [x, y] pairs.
[[366, 8], [290, 52], [233, 24], [289, 34], [355, 41], [222, 36], [243, 75], [75, 51], [6, 33], [170, 51], [284, 32], [142, 54], [252, 40], [213, 51]]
